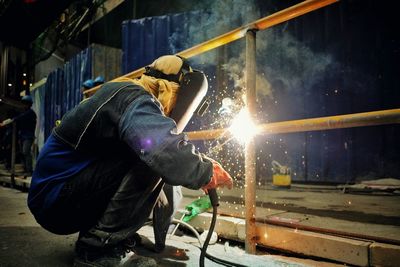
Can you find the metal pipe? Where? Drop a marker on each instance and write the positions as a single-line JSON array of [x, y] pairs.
[[372, 118], [13, 152], [250, 149], [335, 122], [4, 70], [261, 24]]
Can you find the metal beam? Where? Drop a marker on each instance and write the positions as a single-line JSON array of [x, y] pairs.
[[13, 152], [373, 118], [103, 10], [250, 149]]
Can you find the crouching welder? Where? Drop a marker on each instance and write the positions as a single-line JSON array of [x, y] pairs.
[[113, 160]]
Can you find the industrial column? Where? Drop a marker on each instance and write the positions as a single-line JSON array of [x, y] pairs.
[[13, 152], [3, 70], [250, 150]]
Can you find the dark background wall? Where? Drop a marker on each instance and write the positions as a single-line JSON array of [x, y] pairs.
[[338, 60]]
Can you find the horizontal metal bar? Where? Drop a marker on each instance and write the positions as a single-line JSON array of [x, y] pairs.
[[390, 116]]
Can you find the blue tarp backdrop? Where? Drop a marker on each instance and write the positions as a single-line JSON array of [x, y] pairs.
[[63, 89], [38, 96], [143, 40]]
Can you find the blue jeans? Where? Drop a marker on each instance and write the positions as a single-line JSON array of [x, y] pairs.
[[108, 202]]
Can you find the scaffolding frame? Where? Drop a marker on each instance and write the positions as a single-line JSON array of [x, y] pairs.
[[248, 31]]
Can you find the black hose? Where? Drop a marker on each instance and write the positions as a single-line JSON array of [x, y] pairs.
[[214, 202], [207, 241]]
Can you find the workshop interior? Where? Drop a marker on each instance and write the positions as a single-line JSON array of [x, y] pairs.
[[298, 101]]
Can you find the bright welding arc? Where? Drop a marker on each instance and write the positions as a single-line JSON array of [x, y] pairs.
[[243, 127]]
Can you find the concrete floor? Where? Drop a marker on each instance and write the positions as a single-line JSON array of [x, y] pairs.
[[320, 221], [24, 243], [348, 228]]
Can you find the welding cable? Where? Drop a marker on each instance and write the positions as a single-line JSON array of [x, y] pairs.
[[206, 242], [212, 193], [203, 247], [191, 228], [209, 234]]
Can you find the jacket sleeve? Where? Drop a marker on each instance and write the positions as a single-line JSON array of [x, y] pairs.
[[153, 137], [22, 115]]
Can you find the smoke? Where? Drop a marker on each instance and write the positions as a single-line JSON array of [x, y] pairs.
[[211, 19], [222, 16], [291, 62], [281, 58]]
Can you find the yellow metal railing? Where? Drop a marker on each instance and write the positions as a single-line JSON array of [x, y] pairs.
[[372, 118]]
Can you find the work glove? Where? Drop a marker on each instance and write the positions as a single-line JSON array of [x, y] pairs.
[[220, 178]]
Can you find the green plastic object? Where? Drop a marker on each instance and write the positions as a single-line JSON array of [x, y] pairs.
[[196, 207]]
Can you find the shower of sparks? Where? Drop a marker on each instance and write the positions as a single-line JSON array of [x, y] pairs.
[[243, 127]]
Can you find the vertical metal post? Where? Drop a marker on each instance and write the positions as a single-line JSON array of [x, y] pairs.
[[4, 71], [250, 155], [221, 74], [13, 153]]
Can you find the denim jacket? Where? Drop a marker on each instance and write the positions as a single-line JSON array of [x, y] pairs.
[[123, 118]]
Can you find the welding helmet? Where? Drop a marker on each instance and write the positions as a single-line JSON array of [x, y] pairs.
[[193, 89], [193, 85], [169, 67]]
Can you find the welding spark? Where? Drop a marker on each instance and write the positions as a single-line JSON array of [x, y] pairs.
[[243, 127]]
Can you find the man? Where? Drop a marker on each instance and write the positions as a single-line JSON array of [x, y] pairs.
[[102, 170], [26, 125]]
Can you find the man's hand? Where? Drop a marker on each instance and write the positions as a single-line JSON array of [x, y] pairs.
[[220, 178]]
